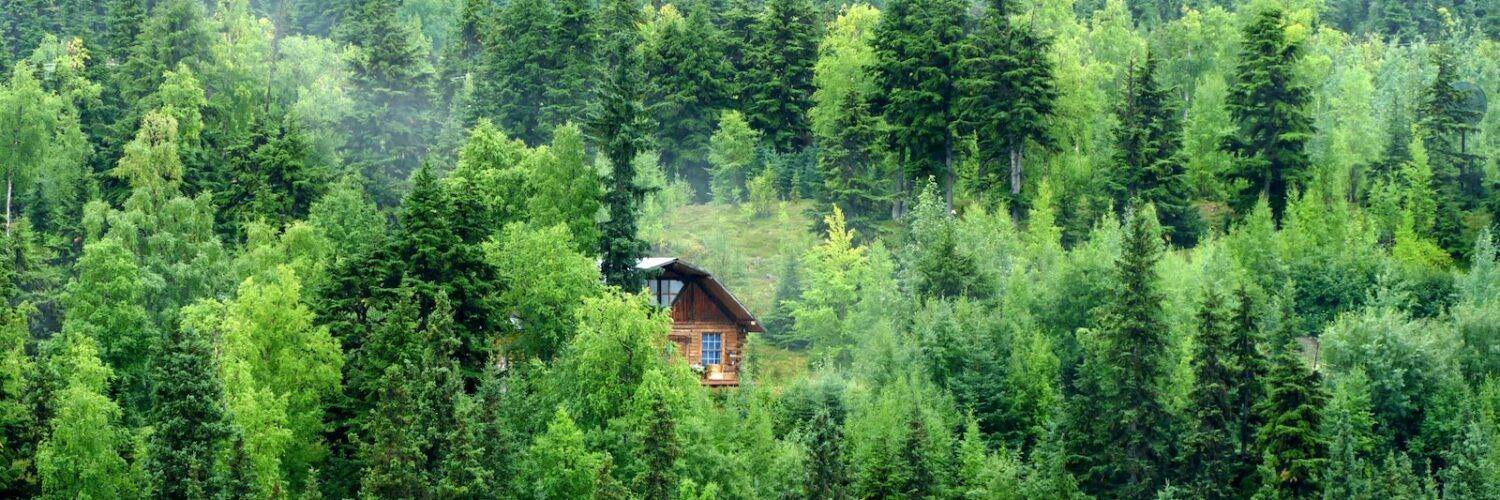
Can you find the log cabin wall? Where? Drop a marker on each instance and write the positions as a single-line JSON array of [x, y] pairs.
[[695, 313]]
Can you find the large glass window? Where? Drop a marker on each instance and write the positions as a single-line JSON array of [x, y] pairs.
[[713, 349], [665, 291]]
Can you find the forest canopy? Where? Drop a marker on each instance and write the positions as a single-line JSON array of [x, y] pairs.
[[999, 248]]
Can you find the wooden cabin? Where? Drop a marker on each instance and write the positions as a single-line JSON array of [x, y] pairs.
[[709, 326]]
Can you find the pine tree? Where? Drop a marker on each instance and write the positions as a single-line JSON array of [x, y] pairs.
[[686, 68], [916, 68], [618, 128], [1119, 418], [1147, 154], [393, 79], [1007, 93], [1249, 363], [522, 60], [1268, 106], [778, 78], [1295, 453], [1209, 446], [187, 416], [854, 171]]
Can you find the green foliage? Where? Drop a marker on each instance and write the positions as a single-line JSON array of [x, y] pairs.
[[779, 72], [1267, 104], [83, 454], [1148, 152], [188, 422], [566, 189], [617, 125], [546, 281], [393, 77], [731, 156], [916, 70], [558, 464], [1008, 93], [1120, 417], [1295, 452]]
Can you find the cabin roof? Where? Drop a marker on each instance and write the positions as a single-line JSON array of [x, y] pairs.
[[715, 289]]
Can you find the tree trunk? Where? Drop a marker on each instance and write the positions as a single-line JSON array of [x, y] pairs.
[[1015, 172], [948, 175], [9, 183]]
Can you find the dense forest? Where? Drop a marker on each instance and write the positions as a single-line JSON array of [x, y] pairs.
[[1001, 248]]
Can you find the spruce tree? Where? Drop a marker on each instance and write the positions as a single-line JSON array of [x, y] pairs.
[[779, 72], [916, 69], [1295, 453], [1008, 94], [855, 174], [618, 126], [1150, 168], [187, 416], [1249, 363], [393, 81], [1119, 420], [1268, 107], [687, 70], [1448, 118], [1209, 451], [522, 60]]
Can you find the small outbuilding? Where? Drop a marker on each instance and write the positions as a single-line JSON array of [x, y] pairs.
[[709, 326]]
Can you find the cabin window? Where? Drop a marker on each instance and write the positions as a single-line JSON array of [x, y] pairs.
[[713, 349], [665, 291]]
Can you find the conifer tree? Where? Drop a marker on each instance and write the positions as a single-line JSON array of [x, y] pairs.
[[853, 167], [392, 80], [187, 417], [916, 68], [618, 127], [1150, 168], [440, 241], [1268, 106], [779, 71], [1295, 452], [1349, 428], [1209, 445], [1249, 363], [522, 60], [1447, 118], [1007, 93], [1119, 421], [686, 67]]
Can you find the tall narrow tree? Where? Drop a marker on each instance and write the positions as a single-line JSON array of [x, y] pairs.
[[1007, 94], [1119, 419], [1295, 452], [916, 70], [618, 127], [1268, 106], [1149, 140], [779, 73]]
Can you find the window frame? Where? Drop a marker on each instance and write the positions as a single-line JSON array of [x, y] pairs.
[[703, 349]]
